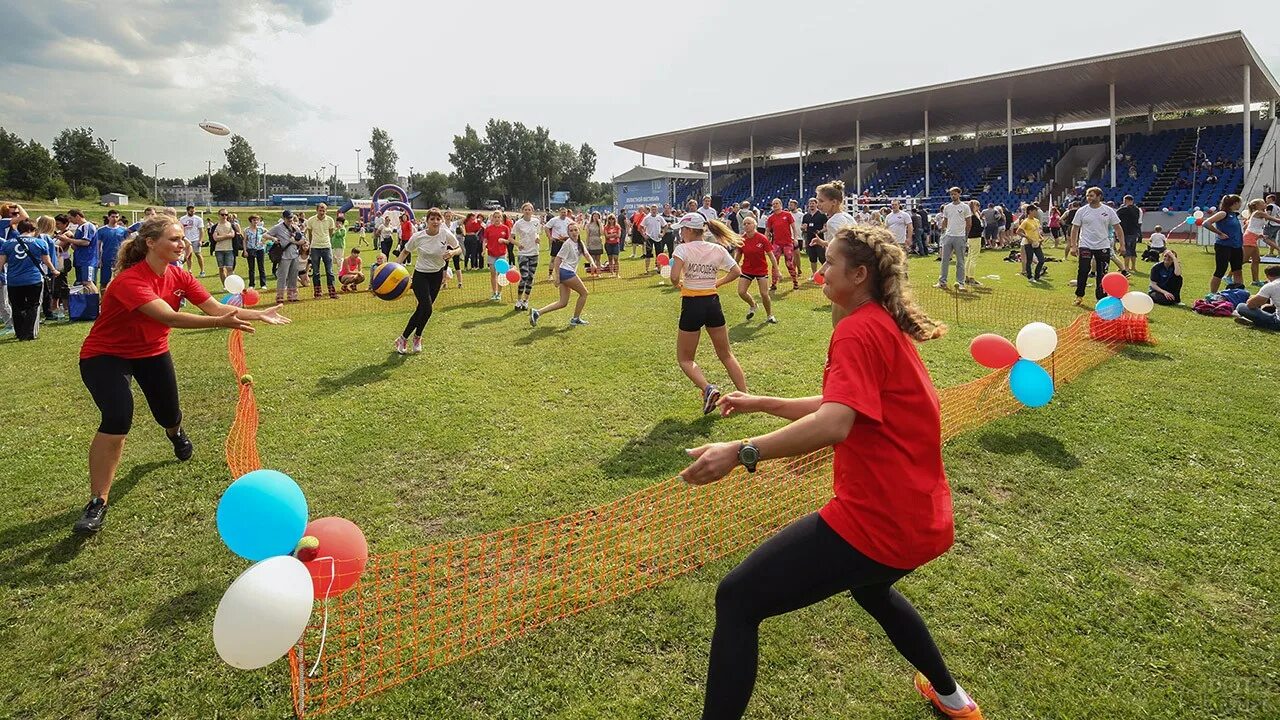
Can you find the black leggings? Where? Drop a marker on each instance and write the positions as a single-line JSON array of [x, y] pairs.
[[107, 378], [805, 563], [24, 302], [1224, 257], [471, 244], [1100, 261], [426, 286]]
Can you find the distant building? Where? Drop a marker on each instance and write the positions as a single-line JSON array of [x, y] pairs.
[[182, 195], [114, 199]]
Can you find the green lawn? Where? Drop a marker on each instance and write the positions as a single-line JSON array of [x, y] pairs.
[[1116, 551]]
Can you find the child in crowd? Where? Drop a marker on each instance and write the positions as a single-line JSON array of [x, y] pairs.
[[1156, 244], [350, 274], [378, 262]]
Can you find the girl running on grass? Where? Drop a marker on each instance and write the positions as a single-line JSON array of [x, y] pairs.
[[695, 265], [892, 507], [130, 339], [564, 275], [755, 257], [434, 245]]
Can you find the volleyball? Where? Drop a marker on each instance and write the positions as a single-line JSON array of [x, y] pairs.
[[390, 281]]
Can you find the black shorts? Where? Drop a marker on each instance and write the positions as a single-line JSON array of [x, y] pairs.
[[699, 312], [555, 247], [648, 249], [107, 379], [1056, 231], [817, 254], [1223, 257]]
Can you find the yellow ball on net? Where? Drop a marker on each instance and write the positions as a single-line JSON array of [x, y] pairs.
[[246, 379]]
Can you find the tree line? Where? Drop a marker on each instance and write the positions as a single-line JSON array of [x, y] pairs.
[[511, 161]]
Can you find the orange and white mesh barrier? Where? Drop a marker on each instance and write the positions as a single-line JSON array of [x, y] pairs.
[[419, 609]]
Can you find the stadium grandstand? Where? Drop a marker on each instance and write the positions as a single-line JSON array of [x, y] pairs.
[[1033, 135]]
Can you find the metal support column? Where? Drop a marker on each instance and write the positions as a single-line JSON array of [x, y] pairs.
[[1008, 140], [800, 142], [1055, 129], [926, 154], [1151, 119], [752, 197], [1248, 122], [857, 155], [1111, 91], [708, 167]]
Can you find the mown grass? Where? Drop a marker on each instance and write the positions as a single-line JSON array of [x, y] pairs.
[[1115, 551]]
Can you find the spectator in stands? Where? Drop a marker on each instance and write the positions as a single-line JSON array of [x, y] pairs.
[[957, 220], [1211, 179], [1260, 310], [1091, 242], [1255, 229], [1166, 279], [1228, 249], [1131, 228]]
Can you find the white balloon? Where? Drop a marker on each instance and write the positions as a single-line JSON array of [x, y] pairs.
[[502, 280], [665, 271], [234, 284], [1137, 302], [263, 613], [1037, 341], [1197, 214]]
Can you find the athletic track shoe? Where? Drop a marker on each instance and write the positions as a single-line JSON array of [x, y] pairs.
[[95, 513], [533, 317], [417, 344], [578, 321], [969, 712], [401, 346], [772, 320], [182, 448], [751, 313], [710, 396]]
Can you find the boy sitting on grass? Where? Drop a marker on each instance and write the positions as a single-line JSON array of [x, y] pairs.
[[350, 274], [1260, 310]]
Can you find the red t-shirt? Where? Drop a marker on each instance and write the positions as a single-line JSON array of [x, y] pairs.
[[493, 237], [121, 330], [612, 234], [892, 502], [779, 225], [406, 230], [508, 222], [351, 265], [755, 254], [637, 220], [472, 227]]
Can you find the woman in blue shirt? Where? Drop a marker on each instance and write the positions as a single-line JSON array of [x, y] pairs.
[[22, 257], [1228, 249]]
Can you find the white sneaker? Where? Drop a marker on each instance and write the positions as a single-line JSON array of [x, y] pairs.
[[533, 318], [262, 287], [940, 285], [772, 320], [960, 286], [401, 346]]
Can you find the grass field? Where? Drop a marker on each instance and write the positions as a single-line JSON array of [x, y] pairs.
[[1116, 551]]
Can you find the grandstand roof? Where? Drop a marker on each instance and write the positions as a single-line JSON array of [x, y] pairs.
[[640, 173], [1181, 75]]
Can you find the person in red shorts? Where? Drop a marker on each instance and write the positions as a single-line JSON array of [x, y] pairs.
[[497, 238], [131, 339], [754, 257], [891, 512], [781, 227]]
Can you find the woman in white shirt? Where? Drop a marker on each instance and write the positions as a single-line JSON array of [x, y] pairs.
[[564, 275], [695, 268], [831, 203], [1255, 232], [527, 234], [434, 245]]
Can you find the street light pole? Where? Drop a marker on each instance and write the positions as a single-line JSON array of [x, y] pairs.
[[333, 185], [209, 184], [113, 148], [155, 183], [410, 183], [359, 178], [264, 183]]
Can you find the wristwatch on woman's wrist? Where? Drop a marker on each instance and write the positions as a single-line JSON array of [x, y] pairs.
[[748, 455]]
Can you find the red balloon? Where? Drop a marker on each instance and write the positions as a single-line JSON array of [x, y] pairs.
[[993, 351], [663, 259], [336, 565], [819, 279], [1115, 285], [1199, 221], [513, 275], [251, 297]]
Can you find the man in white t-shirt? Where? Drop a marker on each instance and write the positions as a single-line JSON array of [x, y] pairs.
[[527, 233], [900, 223], [956, 219], [558, 232], [1260, 310], [1091, 230], [797, 227], [1271, 233], [653, 224], [706, 210], [193, 230]]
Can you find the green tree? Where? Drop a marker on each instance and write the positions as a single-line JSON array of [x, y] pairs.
[[381, 165], [225, 186], [242, 164], [432, 185], [85, 160], [470, 159], [10, 146], [33, 169]]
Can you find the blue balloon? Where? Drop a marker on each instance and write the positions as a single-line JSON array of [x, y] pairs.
[[501, 266], [1190, 220], [1109, 308], [1030, 384], [263, 514]]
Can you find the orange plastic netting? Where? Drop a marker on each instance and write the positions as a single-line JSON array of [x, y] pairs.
[[419, 609]]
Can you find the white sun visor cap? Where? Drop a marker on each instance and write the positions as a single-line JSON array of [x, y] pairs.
[[692, 220]]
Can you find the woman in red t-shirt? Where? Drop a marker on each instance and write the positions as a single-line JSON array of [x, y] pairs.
[[754, 257], [471, 228], [497, 238], [130, 338], [891, 512]]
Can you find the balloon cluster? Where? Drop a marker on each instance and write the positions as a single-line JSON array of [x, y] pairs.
[[262, 517], [1119, 298], [1029, 382], [664, 265], [506, 274], [237, 293], [1196, 218]]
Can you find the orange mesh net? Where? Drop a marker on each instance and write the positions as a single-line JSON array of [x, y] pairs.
[[419, 609]]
